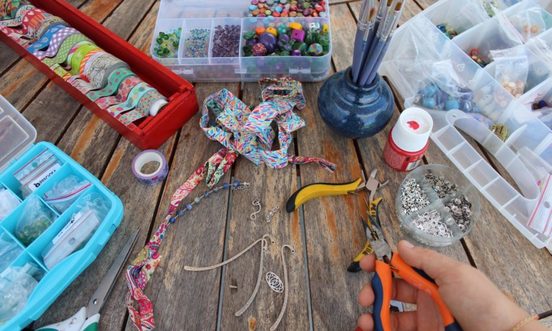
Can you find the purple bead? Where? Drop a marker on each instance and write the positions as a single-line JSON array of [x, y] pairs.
[[284, 38], [298, 35], [269, 40], [254, 2], [296, 52]]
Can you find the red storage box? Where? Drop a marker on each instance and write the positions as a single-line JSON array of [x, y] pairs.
[[150, 132]]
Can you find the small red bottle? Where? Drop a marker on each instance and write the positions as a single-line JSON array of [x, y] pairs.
[[408, 140]]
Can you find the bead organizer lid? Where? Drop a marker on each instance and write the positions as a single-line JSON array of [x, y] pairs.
[[16, 133]]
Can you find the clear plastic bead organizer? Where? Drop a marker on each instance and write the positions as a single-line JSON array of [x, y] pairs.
[[30, 243], [422, 55], [208, 14]]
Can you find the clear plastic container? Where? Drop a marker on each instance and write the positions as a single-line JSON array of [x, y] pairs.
[[15, 155], [464, 188], [418, 47], [208, 14]]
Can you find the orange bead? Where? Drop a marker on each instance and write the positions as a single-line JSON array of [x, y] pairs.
[[260, 30]]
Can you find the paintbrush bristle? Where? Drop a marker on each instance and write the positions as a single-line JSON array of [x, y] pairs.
[[398, 6], [372, 13]]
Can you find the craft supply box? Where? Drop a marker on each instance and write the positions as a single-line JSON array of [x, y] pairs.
[[526, 154], [150, 132], [190, 14], [17, 148]]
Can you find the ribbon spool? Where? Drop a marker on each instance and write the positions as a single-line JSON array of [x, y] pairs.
[[149, 156]]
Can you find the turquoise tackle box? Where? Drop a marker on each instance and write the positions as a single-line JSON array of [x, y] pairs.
[[17, 148]]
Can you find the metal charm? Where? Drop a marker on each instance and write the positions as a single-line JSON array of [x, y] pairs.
[[256, 203], [274, 282], [270, 214], [286, 287]]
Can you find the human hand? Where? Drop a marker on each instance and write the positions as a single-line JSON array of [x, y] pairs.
[[475, 302]]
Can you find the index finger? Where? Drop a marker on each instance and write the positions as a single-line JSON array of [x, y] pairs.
[[368, 263]]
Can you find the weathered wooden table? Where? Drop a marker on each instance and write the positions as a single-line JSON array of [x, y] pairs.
[[326, 233]]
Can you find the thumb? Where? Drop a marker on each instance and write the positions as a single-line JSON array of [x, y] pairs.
[[436, 265]]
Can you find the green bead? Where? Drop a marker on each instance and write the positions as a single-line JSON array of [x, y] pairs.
[[249, 35], [247, 50]]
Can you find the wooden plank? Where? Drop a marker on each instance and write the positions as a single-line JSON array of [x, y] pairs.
[[343, 36], [196, 238], [271, 187]]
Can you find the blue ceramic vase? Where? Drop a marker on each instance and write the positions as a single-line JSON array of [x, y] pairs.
[[353, 111]]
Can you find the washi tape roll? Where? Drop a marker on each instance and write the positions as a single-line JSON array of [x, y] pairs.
[[150, 157], [132, 101], [9, 9], [65, 48], [45, 40], [79, 55], [49, 22], [58, 38], [124, 90], [151, 100], [99, 69], [113, 83], [16, 21]]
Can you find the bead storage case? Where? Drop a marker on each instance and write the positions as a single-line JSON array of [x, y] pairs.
[[188, 15], [464, 188], [17, 136], [148, 133], [420, 50]]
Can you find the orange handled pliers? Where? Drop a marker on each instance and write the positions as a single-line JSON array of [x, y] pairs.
[[388, 265]]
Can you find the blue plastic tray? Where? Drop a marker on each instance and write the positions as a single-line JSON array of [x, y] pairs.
[[62, 274]]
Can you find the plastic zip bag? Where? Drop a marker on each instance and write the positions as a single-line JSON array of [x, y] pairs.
[[92, 209], [9, 251], [16, 285], [8, 202], [511, 67], [36, 218], [531, 22], [64, 193]]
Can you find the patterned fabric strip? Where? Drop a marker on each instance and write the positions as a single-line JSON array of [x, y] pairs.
[[15, 36], [126, 86], [44, 41], [250, 133], [80, 84], [283, 88], [50, 21], [89, 57], [132, 101], [56, 42], [113, 83], [139, 273]]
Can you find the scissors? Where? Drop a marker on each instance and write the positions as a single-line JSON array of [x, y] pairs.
[[389, 264], [88, 318]]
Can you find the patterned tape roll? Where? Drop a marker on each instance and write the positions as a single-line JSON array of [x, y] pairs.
[[124, 90], [113, 83], [65, 48], [80, 84], [145, 157], [15, 35], [46, 38], [79, 55], [98, 69], [152, 99], [47, 23], [18, 17], [132, 101], [8, 9], [32, 21], [89, 57], [58, 38]]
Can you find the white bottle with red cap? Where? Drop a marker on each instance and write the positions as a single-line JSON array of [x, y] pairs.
[[408, 140]]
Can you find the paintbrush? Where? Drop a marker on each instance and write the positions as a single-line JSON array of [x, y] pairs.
[[383, 39], [365, 24]]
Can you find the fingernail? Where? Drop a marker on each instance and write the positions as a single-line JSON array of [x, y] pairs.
[[358, 328], [407, 244]]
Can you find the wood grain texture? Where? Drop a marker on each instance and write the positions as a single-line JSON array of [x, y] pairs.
[[271, 187], [186, 299]]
